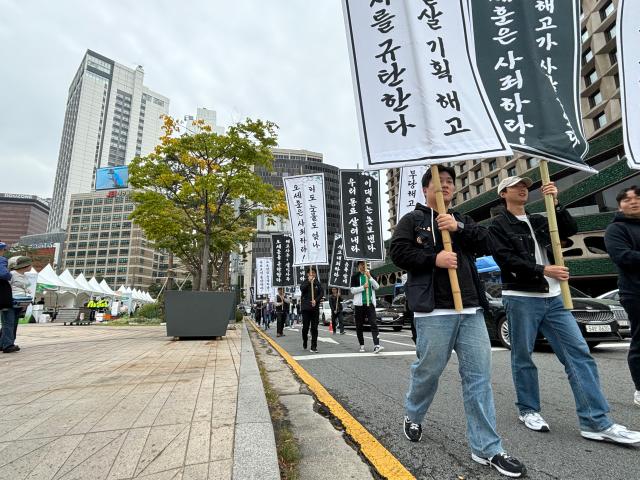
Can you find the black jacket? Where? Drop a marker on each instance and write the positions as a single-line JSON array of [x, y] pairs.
[[332, 302], [419, 260], [622, 239], [305, 298], [513, 248]]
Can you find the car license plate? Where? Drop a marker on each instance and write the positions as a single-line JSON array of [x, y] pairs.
[[623, 323], [598, 328], [387, 319]]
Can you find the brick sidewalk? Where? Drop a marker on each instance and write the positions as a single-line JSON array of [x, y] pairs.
[[96, 402]]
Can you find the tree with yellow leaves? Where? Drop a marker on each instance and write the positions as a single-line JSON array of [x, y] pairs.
[[198, 196]]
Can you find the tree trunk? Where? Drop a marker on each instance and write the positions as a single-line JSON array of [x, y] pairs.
[[204, 258]]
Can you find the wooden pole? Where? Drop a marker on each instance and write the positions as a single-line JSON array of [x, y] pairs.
[[313, 296], [366, 282], [446, 238], [555, 235]]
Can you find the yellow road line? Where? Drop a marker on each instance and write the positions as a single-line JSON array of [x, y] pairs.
[[382, 460]]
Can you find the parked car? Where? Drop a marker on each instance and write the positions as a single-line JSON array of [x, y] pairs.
[[595, 318], [325, 312], [388, 314], [612, 295]]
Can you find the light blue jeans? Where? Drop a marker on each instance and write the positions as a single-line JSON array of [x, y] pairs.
[[527, 316], [437, 336]]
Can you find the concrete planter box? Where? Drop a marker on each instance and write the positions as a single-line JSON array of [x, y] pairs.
[[198, 314]]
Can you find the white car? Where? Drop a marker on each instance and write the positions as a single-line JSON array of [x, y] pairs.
[[325, 312]]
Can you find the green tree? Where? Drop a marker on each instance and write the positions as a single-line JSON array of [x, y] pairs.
[[198, 194]]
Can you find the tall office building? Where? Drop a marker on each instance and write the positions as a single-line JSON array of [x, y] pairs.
[[111, 117], [21, 215]]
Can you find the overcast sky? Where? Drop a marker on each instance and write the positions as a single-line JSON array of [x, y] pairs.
[[279, 60]]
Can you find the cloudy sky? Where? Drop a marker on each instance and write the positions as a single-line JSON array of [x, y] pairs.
[[280, 60]]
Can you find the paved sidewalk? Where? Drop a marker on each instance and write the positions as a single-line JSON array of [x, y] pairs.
[[97, 402]]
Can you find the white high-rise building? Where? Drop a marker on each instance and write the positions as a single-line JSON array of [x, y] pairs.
[[111, 117], [209, 117]]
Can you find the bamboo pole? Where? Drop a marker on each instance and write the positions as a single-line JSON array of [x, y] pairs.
[[446, 239], [313, 296], [555, 235], [366, 283]]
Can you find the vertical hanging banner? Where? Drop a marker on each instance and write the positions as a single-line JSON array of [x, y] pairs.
[[282, 255], [361, 219], [264, 265], [629, 66], [300, 274], [410, 191], [418, 93], [341, 268], [528, 54], [308, 218]]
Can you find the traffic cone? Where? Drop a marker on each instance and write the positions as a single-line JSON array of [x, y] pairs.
[[330, 326]]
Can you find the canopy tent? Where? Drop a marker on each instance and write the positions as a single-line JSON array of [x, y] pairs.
[[105, 286], [95, 286], [82, 281], [70, 282], [48, 279]]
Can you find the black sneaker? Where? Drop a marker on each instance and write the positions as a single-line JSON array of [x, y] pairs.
[[503, 463], [413, 431], [11, 349]]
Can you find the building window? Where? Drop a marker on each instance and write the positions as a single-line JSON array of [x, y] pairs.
[[600, 121], [613, 57], [464, 181], [465, 196], [494, 181], [477, 174], [532, 163], [584, 35], [493, 164], [595, 99], [611, 32], [616, 80], [587, 56], [511, 171], [479, 189], [606, 10], [591, 77]]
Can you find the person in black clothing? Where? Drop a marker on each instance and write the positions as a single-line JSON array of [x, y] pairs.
[[311, 293], [622, 240], [282, 309], [335, 302], [417, 247]]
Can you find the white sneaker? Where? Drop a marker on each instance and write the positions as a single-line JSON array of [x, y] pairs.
[[362, 348], [636, 398], [615, 433], [534, 421], [377, 349]]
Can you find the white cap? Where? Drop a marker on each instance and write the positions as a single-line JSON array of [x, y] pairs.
[[511, 181]]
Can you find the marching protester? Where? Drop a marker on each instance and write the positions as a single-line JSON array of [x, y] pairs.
[[417, 246], [363, 287], [533, 303], [312, 292], [282, 309], [335, 302], [622, 239], [7, 313]]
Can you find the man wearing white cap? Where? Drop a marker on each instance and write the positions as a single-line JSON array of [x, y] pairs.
[[531, 297]]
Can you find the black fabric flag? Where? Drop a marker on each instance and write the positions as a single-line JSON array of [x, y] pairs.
[[361, 220], [341, 268], [528, 54], [282, 253]]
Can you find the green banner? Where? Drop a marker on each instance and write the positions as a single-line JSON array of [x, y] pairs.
[[528, 55]]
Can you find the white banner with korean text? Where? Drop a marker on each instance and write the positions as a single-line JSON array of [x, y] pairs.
[[410, 190], [629, 65], [419, 96], [307, 215], [264, 267]]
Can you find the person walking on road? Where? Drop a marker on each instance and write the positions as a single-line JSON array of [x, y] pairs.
[[622, 239], [335, 302], [363, 287], [282, 307], [417, 247], [311, 292], [533, 303]]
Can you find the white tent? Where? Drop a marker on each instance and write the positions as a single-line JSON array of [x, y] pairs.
[[47, 276], [82, 282], [70, 282], [105, 286], [95, 286]]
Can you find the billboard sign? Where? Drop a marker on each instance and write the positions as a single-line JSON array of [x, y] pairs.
[[109, 178]]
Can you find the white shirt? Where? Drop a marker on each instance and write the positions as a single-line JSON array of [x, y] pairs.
[[541, 259]]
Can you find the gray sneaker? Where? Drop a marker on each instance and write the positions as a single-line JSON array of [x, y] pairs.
[[362, 348], [636, 398], [615, 433]]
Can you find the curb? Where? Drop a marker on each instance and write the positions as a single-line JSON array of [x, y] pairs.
[[254, 449], [380, 458]]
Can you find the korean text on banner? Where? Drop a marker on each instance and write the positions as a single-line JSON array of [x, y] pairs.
[[528, 54], [264, 266], [341, 268], [410, 190], [282, 255], [307, 215], [418, 93], [629, 65]]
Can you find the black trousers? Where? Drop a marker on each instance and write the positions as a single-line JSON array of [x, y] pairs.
[[366, 313], [632, 307], [337, 322], [280, 322], [310, 319]]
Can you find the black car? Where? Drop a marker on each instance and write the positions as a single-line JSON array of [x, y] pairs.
[[595, 318], [388, 314]]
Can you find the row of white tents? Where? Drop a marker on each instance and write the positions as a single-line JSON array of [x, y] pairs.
[[79, 287]]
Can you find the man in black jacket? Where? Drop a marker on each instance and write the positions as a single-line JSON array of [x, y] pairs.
[[311, 292], [622, 240], [335, 302], [417, 247], [532, 300]]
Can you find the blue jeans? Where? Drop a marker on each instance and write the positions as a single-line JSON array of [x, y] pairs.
[[9, 319], [527, 316], [437, 336]]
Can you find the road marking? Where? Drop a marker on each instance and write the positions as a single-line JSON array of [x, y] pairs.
[[380, 458], [327, 340], [314, 356], [383, 340], [620, 345]]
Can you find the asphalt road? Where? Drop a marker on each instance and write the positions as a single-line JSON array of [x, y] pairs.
[[372, 388]]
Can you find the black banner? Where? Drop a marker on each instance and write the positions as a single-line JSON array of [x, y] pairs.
[[282, 253], [341, 268], [301, 274], [528, 54], [361, 220]]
